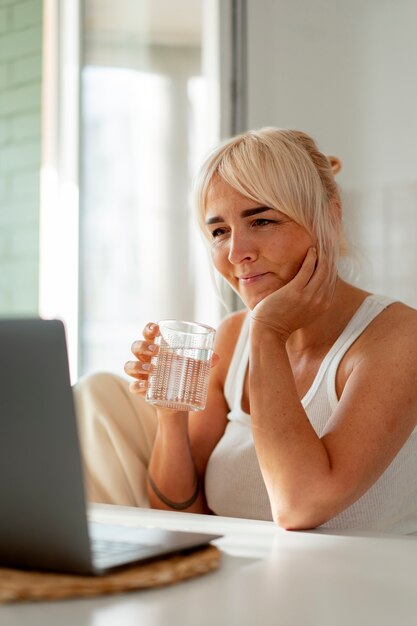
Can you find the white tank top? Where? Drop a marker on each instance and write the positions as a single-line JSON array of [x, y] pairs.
[[234, 485]]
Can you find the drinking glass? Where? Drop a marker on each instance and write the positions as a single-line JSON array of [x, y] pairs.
[[180, 371]]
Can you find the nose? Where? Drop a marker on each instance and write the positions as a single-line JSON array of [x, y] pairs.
[[241, 249]]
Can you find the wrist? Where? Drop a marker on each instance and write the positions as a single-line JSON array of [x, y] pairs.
[[167, 415], [264, 329], [172, 421]]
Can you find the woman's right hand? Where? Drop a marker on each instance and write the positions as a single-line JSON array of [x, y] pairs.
[[143, 350]]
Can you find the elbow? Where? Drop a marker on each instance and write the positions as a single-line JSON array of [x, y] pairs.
[[291, 522], [300, 516], [298, 508], [294, 522]]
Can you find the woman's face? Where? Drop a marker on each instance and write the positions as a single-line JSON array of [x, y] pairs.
[[256, 249]]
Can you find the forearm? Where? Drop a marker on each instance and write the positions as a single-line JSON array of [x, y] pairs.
[[293, 460], [172, 476]]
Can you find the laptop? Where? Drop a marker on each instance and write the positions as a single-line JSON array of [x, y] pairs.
[[43, 520]]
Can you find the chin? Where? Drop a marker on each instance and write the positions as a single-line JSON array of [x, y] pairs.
[[249, 296], [251, 302]]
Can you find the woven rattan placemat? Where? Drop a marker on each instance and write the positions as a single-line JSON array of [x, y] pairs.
[[18, 585]]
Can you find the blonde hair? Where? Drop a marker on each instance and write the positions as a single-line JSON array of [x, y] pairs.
[[284, 170]]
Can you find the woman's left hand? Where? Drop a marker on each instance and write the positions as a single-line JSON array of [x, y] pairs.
[[299, 302]]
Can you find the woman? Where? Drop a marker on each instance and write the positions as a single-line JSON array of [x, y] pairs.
[[312, 406]]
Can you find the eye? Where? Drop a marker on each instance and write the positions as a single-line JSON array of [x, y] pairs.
[[262, 221], [217, 232]]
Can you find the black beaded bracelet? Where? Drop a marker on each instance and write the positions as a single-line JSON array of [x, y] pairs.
[[178, 506]]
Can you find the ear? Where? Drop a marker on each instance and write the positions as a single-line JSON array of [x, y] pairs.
[[335, 164]]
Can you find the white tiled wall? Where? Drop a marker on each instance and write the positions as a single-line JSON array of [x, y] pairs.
[[20, 153], [345, 73], [383, 225]]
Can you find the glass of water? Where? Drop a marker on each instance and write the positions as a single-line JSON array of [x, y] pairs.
[[180, 371]]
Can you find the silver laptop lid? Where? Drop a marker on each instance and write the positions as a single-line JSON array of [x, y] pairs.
[[42, 521]]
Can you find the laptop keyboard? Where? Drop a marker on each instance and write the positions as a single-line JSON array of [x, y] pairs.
[[108, 548]]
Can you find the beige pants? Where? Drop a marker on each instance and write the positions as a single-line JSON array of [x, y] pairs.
[[117, 430]]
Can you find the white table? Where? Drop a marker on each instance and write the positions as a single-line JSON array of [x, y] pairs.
[[268, 576]]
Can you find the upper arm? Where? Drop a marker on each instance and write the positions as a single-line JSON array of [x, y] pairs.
[[377, 410], [207, 427]]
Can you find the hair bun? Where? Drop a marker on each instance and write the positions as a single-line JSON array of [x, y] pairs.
[[335, 164]]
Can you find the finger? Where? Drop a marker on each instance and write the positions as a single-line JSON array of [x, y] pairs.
[[320, 279], [138, 387], [306, 271], [144, 350], [150, 331], [322, 283], [137, 369]]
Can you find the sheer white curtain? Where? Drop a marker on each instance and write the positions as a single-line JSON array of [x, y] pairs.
[[145, 115]]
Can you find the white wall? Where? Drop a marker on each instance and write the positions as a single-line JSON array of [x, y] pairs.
[[345, 73]]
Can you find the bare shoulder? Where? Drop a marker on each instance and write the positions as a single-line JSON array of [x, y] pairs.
[[384, 357], [226, 337], [232, 324], [392, 332], [397, 319]]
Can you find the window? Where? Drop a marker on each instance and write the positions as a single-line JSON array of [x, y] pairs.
[[150, 94]]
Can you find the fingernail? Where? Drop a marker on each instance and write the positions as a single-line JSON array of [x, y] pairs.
[[152, 347], [151, 326], [141, 384], [146, 366]]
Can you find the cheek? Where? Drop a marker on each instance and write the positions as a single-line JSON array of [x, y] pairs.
[[218, 256], [302, 241], [293, 253]]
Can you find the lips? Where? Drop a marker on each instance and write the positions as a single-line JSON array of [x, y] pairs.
[[251, 278]]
